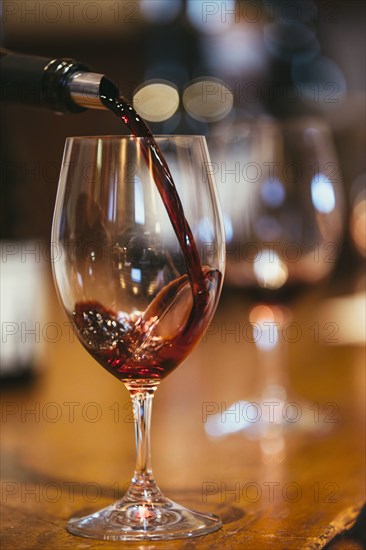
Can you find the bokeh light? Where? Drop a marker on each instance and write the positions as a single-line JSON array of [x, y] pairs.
[[160, 11], [320, 80], [208, 99], [270, 271], [322, 194], [156, 101], [211, 17]]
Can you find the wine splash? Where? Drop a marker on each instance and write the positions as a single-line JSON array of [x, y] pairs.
[[151, 347]]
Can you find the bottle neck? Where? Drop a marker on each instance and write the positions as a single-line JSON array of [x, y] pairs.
[[71, 87], [84, 90], [63, 85]]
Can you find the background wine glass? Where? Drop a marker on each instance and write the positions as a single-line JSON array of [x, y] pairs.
[[282, 201], [138, 304]]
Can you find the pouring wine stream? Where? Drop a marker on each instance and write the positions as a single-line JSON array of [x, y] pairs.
[[110, 97]]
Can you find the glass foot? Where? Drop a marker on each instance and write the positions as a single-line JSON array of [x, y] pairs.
[[164, 520]]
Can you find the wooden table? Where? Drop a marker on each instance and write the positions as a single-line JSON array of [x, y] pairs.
[[68, 445]]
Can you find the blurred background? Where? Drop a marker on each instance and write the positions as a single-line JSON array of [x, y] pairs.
[[195, 67], [225, 69], [229, 61]]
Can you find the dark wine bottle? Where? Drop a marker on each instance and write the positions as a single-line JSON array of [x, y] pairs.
[[63, 85]]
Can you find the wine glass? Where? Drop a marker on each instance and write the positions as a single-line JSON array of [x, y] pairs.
[[138, 305], [282, 201]]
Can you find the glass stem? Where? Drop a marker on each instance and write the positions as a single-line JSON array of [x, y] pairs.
[[142, 406], [143, 488]]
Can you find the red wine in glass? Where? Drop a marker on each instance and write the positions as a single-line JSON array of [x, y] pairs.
[[145, 349]]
